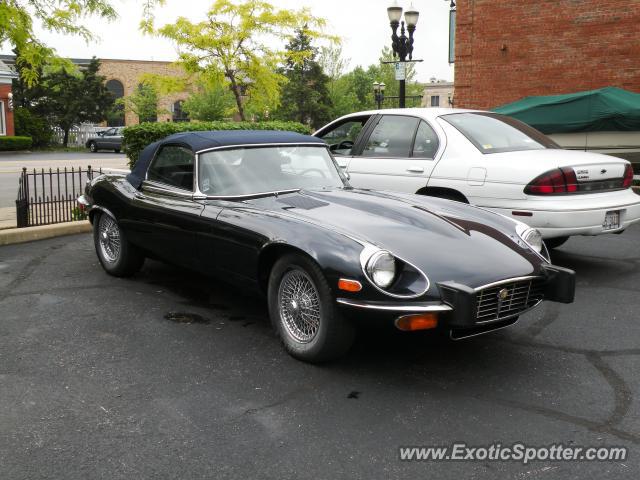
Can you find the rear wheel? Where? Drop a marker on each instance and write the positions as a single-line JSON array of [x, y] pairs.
[[304, 313], [117, 150], [93, 147], [117, 256], [552, 243]]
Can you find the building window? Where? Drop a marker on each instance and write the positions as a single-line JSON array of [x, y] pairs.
[[179, 115], [115, 117], [3, 120], [435, 100]]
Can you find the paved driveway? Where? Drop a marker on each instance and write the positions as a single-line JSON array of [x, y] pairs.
[[95, 382]]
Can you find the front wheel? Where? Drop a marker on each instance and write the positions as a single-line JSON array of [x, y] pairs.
[[304, 313], [117, 150], [117, 256]]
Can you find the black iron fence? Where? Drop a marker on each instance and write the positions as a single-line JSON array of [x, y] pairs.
[[49, 196]]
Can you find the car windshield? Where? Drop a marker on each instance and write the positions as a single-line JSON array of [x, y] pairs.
[[493, 133], [253, 170]]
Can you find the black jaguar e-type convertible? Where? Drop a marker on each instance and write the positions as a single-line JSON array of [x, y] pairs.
[[272, 210]]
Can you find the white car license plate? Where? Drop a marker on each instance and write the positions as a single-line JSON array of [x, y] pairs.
[[611, 220]]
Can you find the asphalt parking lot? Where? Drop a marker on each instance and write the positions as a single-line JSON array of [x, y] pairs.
[[95, 382]]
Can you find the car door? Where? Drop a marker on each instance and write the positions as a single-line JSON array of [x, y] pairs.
[[343, 136], [104, 140], [164, 212], [397, 154]]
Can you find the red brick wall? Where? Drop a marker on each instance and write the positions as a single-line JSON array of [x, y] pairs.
[[4, 97], [506, 50]]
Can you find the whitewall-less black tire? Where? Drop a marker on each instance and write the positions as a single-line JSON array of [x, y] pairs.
[[303, 311], [117, 256]]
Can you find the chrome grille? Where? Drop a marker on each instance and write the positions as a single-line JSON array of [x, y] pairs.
[[508, 299]]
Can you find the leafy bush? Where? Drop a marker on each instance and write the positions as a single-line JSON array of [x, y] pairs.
[[137, 137], [31, 125], [15, 143]]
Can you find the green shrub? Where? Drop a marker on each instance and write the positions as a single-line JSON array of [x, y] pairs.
[[31, 125], [14, 143], [137, 137]]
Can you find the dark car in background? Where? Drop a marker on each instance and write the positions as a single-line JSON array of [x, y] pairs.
[[273, 212], [110, 139]]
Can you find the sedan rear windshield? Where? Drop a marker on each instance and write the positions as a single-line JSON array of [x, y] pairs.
[[493, 133], [248, 171]]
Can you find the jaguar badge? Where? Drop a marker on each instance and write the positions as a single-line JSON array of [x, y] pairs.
[[503, 294]]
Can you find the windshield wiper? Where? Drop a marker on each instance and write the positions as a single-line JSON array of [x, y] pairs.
[[251, 196]]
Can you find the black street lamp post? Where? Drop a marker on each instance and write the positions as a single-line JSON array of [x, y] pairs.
[[378, 93], [402, 45]]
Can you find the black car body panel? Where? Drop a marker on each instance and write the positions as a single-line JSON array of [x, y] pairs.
[[461, 249]]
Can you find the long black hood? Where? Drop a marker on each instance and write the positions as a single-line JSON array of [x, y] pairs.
[[447, 240]]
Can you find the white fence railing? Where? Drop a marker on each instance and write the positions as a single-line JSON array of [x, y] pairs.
[[78, 136]]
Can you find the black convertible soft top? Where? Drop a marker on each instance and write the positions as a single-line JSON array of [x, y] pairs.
[[198, 141]]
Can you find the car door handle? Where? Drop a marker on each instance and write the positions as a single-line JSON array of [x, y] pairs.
[[415, 169], [138, 195]]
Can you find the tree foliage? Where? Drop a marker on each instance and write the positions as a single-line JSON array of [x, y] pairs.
[[305, 97], [73, 98], [61, 16], [143, 102], [235, 42], [353, 91], [211, 101], [62, 98]]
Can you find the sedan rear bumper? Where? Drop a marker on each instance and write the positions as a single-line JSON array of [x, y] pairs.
[[562, 217]]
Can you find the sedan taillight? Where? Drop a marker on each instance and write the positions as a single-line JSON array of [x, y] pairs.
[[563, 180], [559, 180], [628, 176]]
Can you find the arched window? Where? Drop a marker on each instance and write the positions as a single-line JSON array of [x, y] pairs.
[[179, 115], [116, 88], [115, 118]]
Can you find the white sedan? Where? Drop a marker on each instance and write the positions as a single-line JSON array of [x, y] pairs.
[[488, 160]]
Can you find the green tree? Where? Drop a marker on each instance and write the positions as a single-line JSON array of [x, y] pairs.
[[143, 102], [28, 124], [305, 96], [209, 103], [73, 98], [236, 42], [343, 98], [60, 16]]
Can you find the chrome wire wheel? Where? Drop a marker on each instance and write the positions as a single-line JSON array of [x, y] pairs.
[[109, 238], [299, 305]]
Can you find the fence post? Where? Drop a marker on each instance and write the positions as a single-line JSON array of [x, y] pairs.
[[22, 204]]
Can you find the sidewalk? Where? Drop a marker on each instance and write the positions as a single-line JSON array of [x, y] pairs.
[[7, 217]]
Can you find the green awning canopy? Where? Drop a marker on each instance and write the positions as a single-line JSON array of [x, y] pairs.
[[605, 109]]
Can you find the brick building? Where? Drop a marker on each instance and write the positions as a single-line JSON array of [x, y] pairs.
[[6, 103], [509, 50], [122, 77]]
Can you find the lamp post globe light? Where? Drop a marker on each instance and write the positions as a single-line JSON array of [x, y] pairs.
[[402, 44]]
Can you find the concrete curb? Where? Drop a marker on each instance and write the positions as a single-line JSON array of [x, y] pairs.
[[29, 234]]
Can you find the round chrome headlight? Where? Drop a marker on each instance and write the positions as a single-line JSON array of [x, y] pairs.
[[381, 268], [532, 237]]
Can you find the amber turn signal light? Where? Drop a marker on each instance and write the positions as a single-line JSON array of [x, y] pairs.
[[422, 321], [349, 285]]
